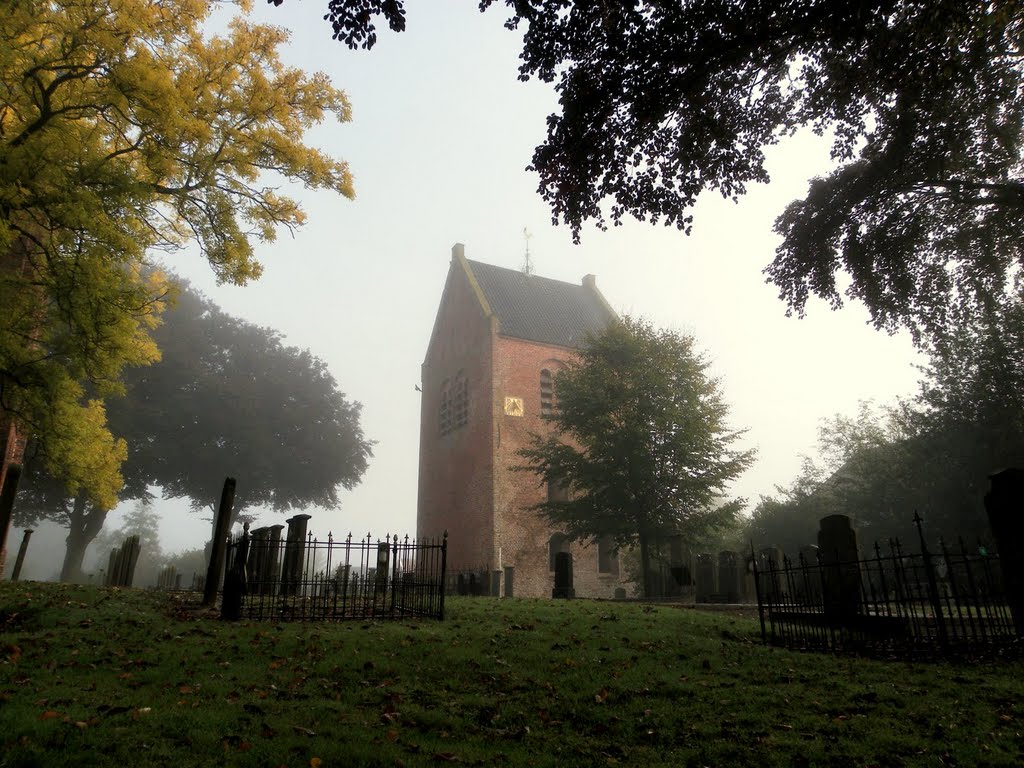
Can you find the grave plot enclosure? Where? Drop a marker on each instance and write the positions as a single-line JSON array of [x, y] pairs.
[[300, 578], [889, 601]]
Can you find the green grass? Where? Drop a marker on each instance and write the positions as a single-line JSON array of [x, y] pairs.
[[100, 677]]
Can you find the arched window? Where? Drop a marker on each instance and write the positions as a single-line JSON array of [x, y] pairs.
[[547, 393], [607, 556], [558, 542], [453, 408]]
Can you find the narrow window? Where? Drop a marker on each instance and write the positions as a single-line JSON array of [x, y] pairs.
[[558, 542], [607, 556], [445, 408], [460, 404], [547, 393]]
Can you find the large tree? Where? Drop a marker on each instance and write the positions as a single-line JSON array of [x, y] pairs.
[[126, 127], [661, 101], [228, 398], [641, 439]]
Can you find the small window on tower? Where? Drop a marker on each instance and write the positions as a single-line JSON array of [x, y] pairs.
[[547, 393]]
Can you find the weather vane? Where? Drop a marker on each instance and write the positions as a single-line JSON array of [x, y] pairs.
[[527, 266]]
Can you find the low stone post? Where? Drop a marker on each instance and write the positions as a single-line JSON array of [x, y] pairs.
[[563, 576], [510, 573], [840, 569], [20, 560], [1004, 504]]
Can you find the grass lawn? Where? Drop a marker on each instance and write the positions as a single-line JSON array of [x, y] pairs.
[[98, 677]]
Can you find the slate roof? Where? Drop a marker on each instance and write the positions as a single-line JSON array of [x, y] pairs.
[[540, 309]]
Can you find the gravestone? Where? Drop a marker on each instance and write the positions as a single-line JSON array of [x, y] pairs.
[[235, 580], [294, 554], [1004, 504], [20, 560], [840, 569], [563, 576], [121, 565], [705, 577], [729, 573]]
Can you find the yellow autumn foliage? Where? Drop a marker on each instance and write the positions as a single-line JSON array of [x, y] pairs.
[[126, 127]]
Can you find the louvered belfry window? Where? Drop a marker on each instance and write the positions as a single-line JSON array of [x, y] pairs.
[[547, 393], [454, 404]]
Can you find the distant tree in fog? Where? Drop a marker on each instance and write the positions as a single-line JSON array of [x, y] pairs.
[[228, 398]]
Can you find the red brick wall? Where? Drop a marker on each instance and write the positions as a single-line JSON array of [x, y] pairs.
[[455, 474], [522, 535]]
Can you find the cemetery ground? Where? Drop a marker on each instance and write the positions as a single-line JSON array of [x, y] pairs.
[[100, 676]]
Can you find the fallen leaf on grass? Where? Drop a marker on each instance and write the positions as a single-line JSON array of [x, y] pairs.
[[601, 696], [391, 735], [49, 715], [303, 731], [314, 762], [446, 757]]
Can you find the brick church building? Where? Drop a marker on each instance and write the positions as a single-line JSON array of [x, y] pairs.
[[499, 339]]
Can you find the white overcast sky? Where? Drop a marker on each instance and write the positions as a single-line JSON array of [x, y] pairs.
[[441, 134]]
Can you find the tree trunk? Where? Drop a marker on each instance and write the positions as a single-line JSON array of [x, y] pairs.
[[85, 524]]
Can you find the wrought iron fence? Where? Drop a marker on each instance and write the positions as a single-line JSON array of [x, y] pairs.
[[889, 603], [307, 579]]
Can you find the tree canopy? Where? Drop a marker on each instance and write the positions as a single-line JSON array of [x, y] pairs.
[[661, 101], [641, 440], [125, 127], [932, 454], [228, 398]]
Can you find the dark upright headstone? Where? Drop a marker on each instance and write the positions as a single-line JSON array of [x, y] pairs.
[[20, 561], [294, 554], [1004, 504], [705, 577], [510, 573], [840, 569], [729, 572], [215, 568]]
